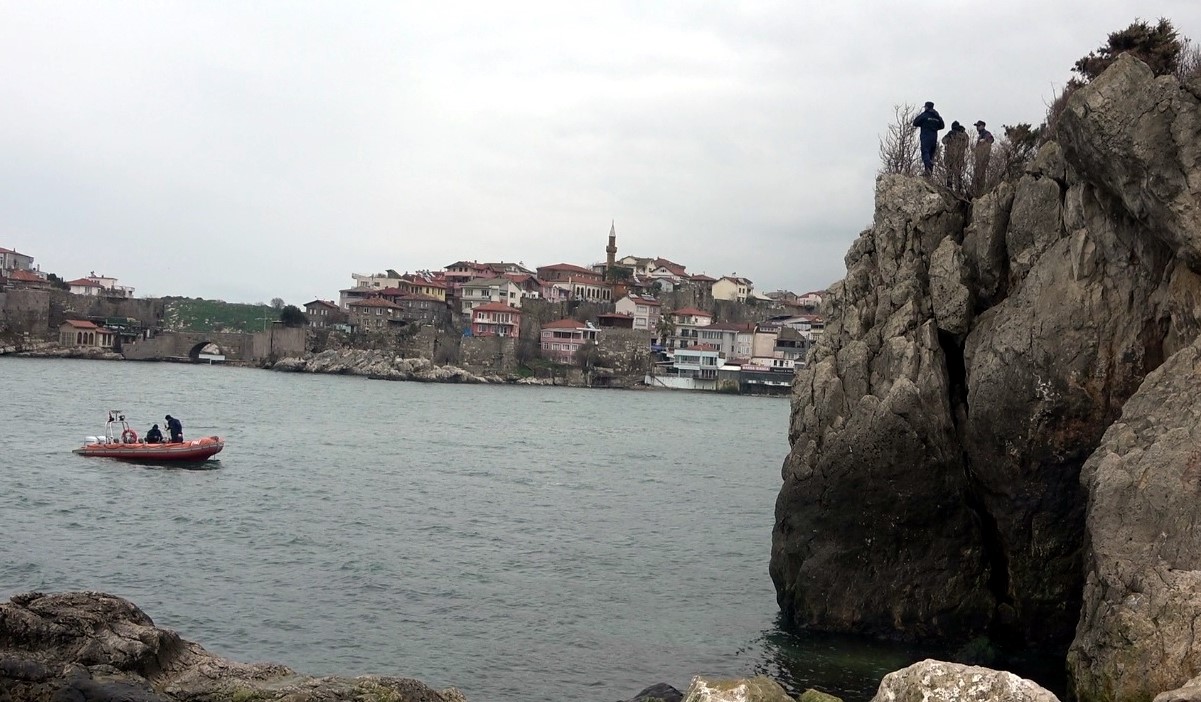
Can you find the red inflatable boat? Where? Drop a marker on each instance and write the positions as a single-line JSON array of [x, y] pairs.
[[121, 441]]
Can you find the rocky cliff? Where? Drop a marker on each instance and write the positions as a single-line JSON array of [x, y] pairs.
[[974, 356]]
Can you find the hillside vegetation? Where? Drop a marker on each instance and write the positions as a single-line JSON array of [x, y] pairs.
[[216, 315]]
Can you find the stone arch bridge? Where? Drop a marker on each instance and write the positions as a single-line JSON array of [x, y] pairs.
[[277, 341]]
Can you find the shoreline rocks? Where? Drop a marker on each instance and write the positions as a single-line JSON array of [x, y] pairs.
[[382, 365], [95, 646]]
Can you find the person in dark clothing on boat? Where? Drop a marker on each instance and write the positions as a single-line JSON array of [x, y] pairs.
[[175, 429], [154, 436]]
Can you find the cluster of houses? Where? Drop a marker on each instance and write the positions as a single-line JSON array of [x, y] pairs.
[[690, 349], [687, 348], [18, 272]]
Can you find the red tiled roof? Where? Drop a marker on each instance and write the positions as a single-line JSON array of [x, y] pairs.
[[704, 278], [732, 326], [670, 265], [85, 283], [418, 280], [683, 311], [24, 276], [372, 302], [566, 324], [701, 347], [644, 300], [569, 267], [80, 324], [10, 251], [496, 307], [322, 303]]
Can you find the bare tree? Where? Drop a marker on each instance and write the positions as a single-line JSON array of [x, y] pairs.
[[277, 303], [1189, 64], [898, 145]]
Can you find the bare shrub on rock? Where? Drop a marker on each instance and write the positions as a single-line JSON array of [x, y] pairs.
[[898, 145]]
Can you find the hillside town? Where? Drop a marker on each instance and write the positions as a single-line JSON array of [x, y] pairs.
[[622, 321]]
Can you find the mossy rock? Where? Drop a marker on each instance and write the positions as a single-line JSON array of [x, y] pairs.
[[812, 695]]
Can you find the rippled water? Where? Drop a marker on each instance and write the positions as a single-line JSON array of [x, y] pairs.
[[520, 543]]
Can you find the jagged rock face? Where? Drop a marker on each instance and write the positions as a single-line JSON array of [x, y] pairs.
[[1138, 138], [971, 364], [1142, 600], [871, 504], [93, 646]]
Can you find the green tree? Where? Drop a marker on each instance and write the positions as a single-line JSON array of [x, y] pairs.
[[665, 327], [587, 356], [293, 316], [1158, 46]]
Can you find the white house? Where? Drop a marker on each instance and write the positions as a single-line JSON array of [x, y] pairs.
[[484, 290], [377, 281], [732, 339], [643, 308], [732, 288], [687, 322], [12, 261], [99, 285]]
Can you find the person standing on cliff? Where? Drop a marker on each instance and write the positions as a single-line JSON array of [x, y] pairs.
[[954, 149], [929, 122], [983, 152]]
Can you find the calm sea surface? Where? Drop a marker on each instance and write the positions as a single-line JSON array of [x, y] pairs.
[[520, 543]]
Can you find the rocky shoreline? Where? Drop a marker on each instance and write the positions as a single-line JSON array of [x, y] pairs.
[[97, 647], [381, 365]]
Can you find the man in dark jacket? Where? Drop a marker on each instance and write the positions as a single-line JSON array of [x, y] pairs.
[[983, 151], [929, 122], [954, 149], [154, 436], [175, 429]]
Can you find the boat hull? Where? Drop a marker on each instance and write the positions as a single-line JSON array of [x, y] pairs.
[[194, 450]]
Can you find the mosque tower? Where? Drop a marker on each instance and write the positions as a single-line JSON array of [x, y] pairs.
[[611, 249]]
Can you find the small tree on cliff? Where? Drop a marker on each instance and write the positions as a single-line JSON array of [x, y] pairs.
[[898, 146], [1158, 46], [293, 316]]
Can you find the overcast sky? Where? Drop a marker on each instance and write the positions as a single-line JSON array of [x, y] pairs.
[[248, 150]]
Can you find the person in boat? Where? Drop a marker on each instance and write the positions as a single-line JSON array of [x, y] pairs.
[[154, 436], [175, 429]]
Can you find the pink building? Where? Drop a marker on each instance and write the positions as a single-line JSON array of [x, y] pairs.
[[561, 339], [495, 319]]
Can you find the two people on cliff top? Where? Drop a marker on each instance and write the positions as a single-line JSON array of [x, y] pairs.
[[929, 122]]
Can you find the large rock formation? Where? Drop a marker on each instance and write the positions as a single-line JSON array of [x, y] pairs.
[[1138, 629], [973, 358], [91, 646]]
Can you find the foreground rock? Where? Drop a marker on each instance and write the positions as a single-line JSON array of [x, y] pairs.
[[936, 681], [972, 361], [1137, 635], [93, 646], [758, 689]]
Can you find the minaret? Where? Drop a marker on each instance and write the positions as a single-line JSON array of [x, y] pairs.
[[611, 249]]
